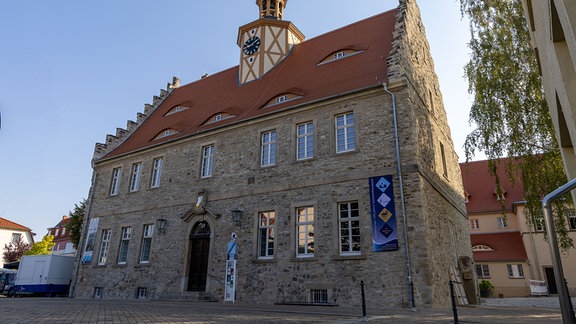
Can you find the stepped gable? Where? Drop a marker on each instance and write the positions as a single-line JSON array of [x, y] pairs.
[[302, 74], [113, 141], [4, 223]]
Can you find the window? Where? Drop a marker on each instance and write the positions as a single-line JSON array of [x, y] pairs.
[[268, 148], [63, 231], [266, 221], [124, 243], [345, 140], [114, 184], [305, 232], [349, 219], [571, 213], [443, 156], [339, 55], [502, 223], [475, 223], [281, 99], [105, 242], [515, 271], [16, 237], [539, 223], [482, 271], [98, 292], [304, 141], [146, 243], [142, 293], [319, 296], [207, 161], [135, 177], [156, 173]]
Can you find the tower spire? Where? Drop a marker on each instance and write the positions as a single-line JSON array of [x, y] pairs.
[[271, 8]]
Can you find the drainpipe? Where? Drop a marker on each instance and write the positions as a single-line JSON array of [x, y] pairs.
[[563, 295], [408, 263]]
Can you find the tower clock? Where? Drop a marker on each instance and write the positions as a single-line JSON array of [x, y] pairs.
[[266, 41]]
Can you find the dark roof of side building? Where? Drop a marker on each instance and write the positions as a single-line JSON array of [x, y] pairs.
[[300, 74], [507, 246], [480, 187]]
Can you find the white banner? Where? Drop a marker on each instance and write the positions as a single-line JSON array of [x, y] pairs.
[[90, 240]]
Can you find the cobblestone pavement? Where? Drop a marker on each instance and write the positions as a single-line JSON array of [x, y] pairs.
[[65, 310]]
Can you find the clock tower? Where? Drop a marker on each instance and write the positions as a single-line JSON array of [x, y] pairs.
[[266, 41]]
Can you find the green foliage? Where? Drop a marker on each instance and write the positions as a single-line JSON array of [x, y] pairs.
[[486, 288], [74, 227], [14, 251], [509, 108], [43, 247]]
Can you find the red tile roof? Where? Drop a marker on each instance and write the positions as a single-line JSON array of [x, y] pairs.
[[4, 223], [480, 187], [508, 246], [298, 74]]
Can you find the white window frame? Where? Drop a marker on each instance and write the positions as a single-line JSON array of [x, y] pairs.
[[268, 148], [305, 232], [502, 222], [515, 271], [115, 182], [104, 245], [474, 223], [483, 271], [135, 177], [207, 161], [305, 141], [156, 172], [571, 215], [266, 234], [349, 228], [345, 132], [124, 245], [146, 245], [15, 238]]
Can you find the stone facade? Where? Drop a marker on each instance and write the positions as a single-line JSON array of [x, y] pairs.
[[435, 217]]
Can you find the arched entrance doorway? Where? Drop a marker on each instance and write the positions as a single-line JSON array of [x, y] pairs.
[[199, 252]]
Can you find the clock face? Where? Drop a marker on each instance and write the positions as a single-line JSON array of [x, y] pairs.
[[251, 45]]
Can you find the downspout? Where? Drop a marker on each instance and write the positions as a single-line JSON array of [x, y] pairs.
[[408, 262]]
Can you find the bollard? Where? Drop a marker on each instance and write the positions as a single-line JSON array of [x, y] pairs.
[[363, 299], [453, 297]]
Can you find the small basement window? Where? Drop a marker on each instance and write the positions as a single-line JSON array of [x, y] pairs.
[[97, 292], [319, 296], [142, 293]]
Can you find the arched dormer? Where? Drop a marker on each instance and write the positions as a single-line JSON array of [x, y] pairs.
[[176, 109], [218, 117], [482, 248], [284, 97], [165, 133], [338, 55]]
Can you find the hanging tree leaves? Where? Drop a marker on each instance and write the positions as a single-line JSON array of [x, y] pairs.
[[509, 108]]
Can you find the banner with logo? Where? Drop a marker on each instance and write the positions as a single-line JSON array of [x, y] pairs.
[[230, 286], [384, 231], [90, 240]]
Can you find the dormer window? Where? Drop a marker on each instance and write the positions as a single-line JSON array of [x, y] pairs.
[[339, 55], [282, 99], [166, 133], [176, 109], [482, 248], [218, 117]]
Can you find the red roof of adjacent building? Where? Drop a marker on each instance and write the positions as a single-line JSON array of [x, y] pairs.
[[480, 187], [299, 74], [4, 223], [507, 246]]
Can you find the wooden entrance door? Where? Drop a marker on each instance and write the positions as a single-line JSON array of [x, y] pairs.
[[199, 253]]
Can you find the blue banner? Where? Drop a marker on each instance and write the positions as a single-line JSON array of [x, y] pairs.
[[384, 232]]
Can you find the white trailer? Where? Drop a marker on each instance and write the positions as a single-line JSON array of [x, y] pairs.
[[47, 275]]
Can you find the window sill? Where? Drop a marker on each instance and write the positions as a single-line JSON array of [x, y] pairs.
[[348, 257], [303, 259], [263, 261]]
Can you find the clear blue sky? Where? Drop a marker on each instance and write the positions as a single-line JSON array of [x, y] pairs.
[[73, 71]]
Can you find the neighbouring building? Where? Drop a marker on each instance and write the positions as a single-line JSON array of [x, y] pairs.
[[311, 167], [509, 248], [11, 232], [552, 25], [62, 240]]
